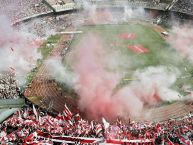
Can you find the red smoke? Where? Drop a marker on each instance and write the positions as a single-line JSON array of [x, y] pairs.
[[95, 84]]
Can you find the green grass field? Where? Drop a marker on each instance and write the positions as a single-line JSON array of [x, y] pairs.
[[160, 52]]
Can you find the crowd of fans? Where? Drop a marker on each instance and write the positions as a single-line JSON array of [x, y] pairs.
[[60, 2], [8, 87], [31, 125], [47, 25], [153, 3], [139, 3], [19, 9], [185, 6], [34, 125]]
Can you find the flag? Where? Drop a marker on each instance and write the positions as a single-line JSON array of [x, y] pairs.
[[158, 127], [67, 110], [99, 129], [114, 141], [31, 137], [77, 117], [67, 115], [138, 48], [127, 36], [59, 117], [35, 112], [19, 113], [92, 124], [25, 114], [105, 123], [185, 141]]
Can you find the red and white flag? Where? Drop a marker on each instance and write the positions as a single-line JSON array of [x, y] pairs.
[[99, 129], [67, 115], [185, 141]]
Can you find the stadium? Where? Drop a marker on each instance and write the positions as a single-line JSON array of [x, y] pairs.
[[96, 72]]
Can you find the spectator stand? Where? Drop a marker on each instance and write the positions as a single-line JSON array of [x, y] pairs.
[[10, 97]]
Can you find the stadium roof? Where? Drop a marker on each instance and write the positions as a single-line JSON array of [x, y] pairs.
[[9, 106]]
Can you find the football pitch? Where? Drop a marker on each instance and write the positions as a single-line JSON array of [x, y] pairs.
[[144, 47]]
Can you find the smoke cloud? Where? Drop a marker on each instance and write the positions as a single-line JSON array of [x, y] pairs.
[[92, 15], [18, 51], [59, 72], [96, 84], [181, 39], [96, 74]]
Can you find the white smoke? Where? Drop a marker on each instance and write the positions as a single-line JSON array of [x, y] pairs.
[[108, 15], [130, 13], [18, 50], [149, 87], [156, 80], [59, 72], [181, 39]]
